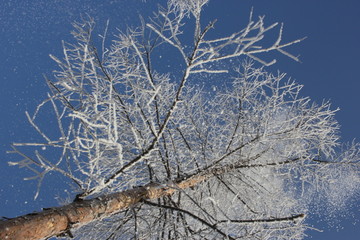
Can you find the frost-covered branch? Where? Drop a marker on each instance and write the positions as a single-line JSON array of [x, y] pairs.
[[248, 154]]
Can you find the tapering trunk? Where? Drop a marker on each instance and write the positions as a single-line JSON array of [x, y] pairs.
[[60, 220]]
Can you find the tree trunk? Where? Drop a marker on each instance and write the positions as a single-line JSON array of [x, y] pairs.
[[60, 220]]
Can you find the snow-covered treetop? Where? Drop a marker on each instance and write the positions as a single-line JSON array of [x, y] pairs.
[[264, 151]]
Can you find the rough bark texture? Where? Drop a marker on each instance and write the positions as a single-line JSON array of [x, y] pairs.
[[59, 220]]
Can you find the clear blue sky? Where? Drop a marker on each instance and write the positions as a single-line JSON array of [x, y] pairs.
[[31, 30]]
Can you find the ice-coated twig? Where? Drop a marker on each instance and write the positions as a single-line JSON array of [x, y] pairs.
[[236, 161]]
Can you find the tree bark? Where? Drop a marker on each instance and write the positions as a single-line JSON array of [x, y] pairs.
[[60, 220]]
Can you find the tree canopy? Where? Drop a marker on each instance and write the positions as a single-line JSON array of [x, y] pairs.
[[155, 154]]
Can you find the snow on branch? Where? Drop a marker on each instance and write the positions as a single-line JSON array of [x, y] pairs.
[[185, 162]]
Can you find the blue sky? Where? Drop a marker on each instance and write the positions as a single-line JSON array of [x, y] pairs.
[[31, 30]]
